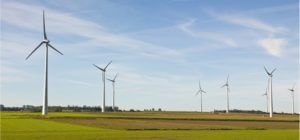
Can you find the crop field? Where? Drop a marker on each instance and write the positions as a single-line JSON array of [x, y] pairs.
[[148, 126]]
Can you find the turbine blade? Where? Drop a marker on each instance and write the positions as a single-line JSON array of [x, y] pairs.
[[98, 67], [110, 80], [227, 79], [273, 71], [294, 86], [266, 70], [203, 91], [224, 85], [107, 65], [199, 84], [197, 93], [44, 28], [116, 76], [34, 50], [55, 49]]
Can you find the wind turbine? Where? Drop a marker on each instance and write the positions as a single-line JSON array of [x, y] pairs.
[[47, 44], [266, 94], [292, 90], [113, 84], [270, 74], [227, 91], [103, 79], [200, 91]]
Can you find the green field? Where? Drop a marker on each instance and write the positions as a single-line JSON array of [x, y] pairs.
[[148, 126]]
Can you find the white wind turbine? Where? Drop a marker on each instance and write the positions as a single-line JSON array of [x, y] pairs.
[[200, 91], [266, 94], [47, 44], [270, 86], [103, 79], [292, 93], [113, 84], [227, 91]]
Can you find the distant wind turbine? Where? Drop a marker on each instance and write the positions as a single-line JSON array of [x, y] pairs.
[[270, 86], [200, 91], [47, 44], [227, 91], [292, 93], [266, 94], [113, 84], [103, 79]]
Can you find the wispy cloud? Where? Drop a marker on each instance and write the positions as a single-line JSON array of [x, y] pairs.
[[281, 8], [187, 28], [28, 17], [274, 46], [248, 22]]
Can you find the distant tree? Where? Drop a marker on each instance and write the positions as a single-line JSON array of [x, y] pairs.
[[1, 107]]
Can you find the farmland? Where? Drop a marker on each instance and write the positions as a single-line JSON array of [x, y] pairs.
[[148, 125]]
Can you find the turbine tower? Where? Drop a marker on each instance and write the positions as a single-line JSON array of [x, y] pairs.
[[292, 93], [47, 44], [103, 79], [200, 91], [266, 94], [227, 91], [270, 86], [113, 84]]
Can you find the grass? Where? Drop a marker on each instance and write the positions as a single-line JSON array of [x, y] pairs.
[[148, 125]]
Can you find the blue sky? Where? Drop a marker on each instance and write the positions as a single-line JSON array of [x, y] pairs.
[[160, 48]]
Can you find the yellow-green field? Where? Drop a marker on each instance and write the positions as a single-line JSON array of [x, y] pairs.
[[148, 126]]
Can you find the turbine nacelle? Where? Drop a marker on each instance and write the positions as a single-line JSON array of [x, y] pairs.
[[292, 90], [113, 80], [103, 69], [225, 85], [200, 89], [270, 74], [46, 41]]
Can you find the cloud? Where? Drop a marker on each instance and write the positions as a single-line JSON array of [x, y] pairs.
[[280, 8], [187, 28], [248, 22], [28, 18], [273, 45]]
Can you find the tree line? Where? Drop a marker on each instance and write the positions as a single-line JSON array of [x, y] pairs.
[[84, 108], [31, 108]]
